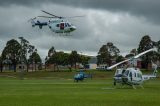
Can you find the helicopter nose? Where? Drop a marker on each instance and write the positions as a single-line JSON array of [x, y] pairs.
[[73, 28]]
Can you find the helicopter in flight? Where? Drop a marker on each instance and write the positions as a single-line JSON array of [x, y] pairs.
[[132, 76], [57, 24]]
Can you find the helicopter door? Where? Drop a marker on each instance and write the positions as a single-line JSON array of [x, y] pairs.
[[61, 26], [130, 75]]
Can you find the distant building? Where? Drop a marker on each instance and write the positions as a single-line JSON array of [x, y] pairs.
[[92, 63], [102, 66], [21, 66]]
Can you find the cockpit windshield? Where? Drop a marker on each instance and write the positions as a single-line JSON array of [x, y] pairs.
[[69, 25], [126, 72]]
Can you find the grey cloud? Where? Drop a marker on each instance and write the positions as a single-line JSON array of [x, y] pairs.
[[146, 8]]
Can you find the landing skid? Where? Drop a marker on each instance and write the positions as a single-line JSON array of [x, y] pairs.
[[63, 34], [134, 86], [123, 85]]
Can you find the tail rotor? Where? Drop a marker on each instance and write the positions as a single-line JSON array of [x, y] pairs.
[[32, 21], [154, 67]]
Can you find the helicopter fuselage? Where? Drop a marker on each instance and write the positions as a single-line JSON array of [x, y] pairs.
[[57, 26], [129, 76], [61, 26]]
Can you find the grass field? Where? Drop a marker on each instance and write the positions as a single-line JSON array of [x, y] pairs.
[[58, 89]]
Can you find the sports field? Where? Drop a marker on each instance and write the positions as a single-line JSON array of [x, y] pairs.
[[59, 89]]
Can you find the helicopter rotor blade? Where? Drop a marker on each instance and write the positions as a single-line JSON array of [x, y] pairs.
[[51, 14], [75, 16], [118, 64], [54, 16], [32, 19], [137, 56], [153, 49], [46, 17]]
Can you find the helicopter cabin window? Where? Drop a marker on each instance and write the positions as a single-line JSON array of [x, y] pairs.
[[61, 26], [66, 25], [139, 75], [57, 25], [69, 25], [135, 75], [130, 74], [126, 72], [123, 71]]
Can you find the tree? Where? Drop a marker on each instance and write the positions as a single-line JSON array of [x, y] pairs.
[[31, 50], [51, 51], [103, 55], [57, 58], [46, 62], [133, 51], [12, 52], [1, 64], [145, 44], [74, 58], [156, 55], [157, 44], [107, 54], [35, 58], [119, 59], [51, 58], [24, 47], [64, 59], [60, 58], [84, 59]]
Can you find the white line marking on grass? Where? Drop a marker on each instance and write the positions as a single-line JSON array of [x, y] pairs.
[[8, 76], [109, 88]]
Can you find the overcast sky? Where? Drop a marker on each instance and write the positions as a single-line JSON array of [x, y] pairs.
[[123, 22]]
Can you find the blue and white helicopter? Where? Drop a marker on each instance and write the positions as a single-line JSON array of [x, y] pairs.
[[57, 24], [81, 76]]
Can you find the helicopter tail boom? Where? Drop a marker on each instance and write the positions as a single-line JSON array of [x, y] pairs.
[[38, 23]]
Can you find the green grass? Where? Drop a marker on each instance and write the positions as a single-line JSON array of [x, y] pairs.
[[58, 89]]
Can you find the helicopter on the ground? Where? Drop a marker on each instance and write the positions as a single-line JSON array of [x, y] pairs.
[[132, 76], [57, 24], [81, 76]]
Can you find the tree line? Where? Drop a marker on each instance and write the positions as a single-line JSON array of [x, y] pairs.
[[21, 51], [66, 59]]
